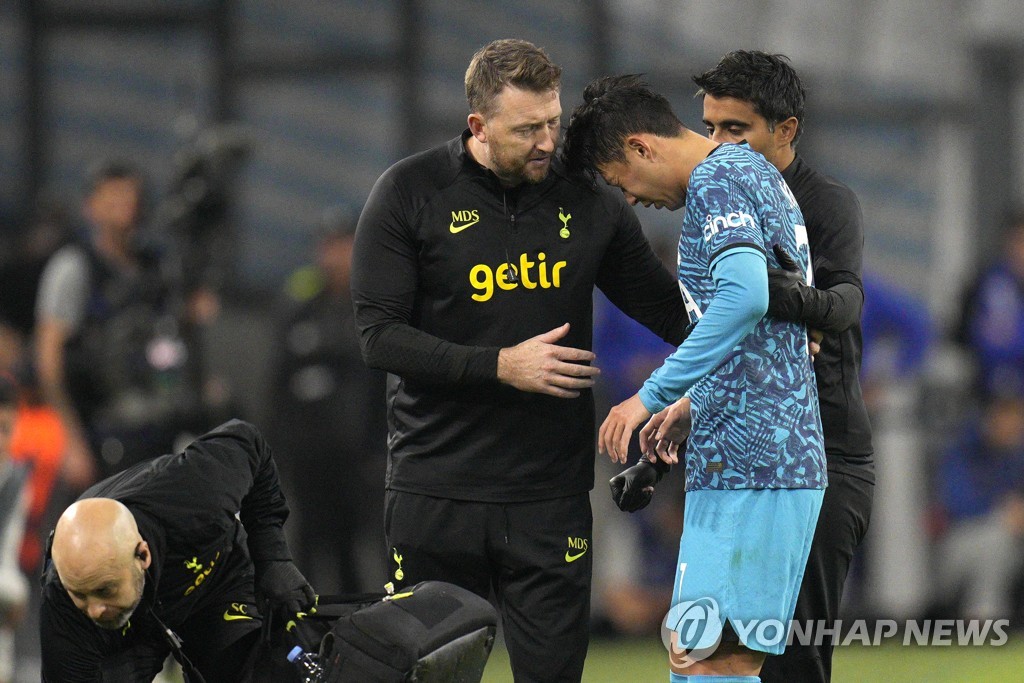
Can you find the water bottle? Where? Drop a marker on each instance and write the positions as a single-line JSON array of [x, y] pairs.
[[308, 663]]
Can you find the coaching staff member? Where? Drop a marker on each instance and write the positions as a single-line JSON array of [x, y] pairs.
[[169, 557], [758, 97], [474, 269]]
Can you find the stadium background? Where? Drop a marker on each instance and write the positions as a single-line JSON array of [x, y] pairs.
[[916, 104]]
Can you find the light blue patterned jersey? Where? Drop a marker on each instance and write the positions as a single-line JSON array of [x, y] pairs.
[[755, 417]]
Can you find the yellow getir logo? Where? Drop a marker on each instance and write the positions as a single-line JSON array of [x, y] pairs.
[[529, 274], [463, 219], [576, 544]]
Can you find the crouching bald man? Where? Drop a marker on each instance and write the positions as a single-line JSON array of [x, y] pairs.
[[169, 557]]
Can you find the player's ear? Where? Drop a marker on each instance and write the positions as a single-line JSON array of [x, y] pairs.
[[786, 130], [637, 145]]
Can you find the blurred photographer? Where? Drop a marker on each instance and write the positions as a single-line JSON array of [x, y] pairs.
[[109, 349]]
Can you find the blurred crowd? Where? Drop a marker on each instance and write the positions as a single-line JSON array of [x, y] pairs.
[[978, 501], [103, 307]]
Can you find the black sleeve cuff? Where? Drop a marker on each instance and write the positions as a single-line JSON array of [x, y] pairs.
[[832, 310]]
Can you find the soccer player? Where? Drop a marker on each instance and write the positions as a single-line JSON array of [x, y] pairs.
[[473, 277], [755, 469], [758, 97]]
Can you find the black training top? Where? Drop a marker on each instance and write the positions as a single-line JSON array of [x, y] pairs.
[[435, 301], [188, 508], [836, 235]]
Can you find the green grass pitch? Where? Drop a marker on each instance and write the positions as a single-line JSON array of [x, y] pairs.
[[631, 661]]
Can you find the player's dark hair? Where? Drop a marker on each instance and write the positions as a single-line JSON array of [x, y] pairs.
[[768, 82], [508, 62], [613, 108]]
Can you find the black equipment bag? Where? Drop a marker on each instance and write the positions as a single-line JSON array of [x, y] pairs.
[[432, 633]]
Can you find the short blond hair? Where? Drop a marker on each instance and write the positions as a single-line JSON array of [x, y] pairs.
[[508, 62]]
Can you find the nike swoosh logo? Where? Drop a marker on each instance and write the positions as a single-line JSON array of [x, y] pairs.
[[456, 229], [573, 558], [235, 617]]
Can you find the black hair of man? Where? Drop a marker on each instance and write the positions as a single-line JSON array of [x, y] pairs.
[[767, 81], [613, 108]]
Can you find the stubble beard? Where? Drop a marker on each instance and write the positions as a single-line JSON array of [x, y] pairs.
[[122, 621], [516, 170]]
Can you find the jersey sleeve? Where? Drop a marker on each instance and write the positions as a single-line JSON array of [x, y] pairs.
[[740, 301], [634, 279], [384, 290], [728, 216]]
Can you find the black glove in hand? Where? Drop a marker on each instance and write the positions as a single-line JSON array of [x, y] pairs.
[[284, 587], [787, 290], [633, 488]]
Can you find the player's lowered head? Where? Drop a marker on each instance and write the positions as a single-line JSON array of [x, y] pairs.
[[629, 134]]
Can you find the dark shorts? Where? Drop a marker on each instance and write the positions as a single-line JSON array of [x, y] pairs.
[[842, 525], [536, 558]]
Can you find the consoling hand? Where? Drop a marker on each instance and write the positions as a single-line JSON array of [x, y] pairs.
[[814, 338], [665, 432], [787, 287], [617, 429], [541, 366]]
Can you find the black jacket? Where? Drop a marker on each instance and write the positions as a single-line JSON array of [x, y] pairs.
[[434, 246], [185, 506], [836, 235]]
